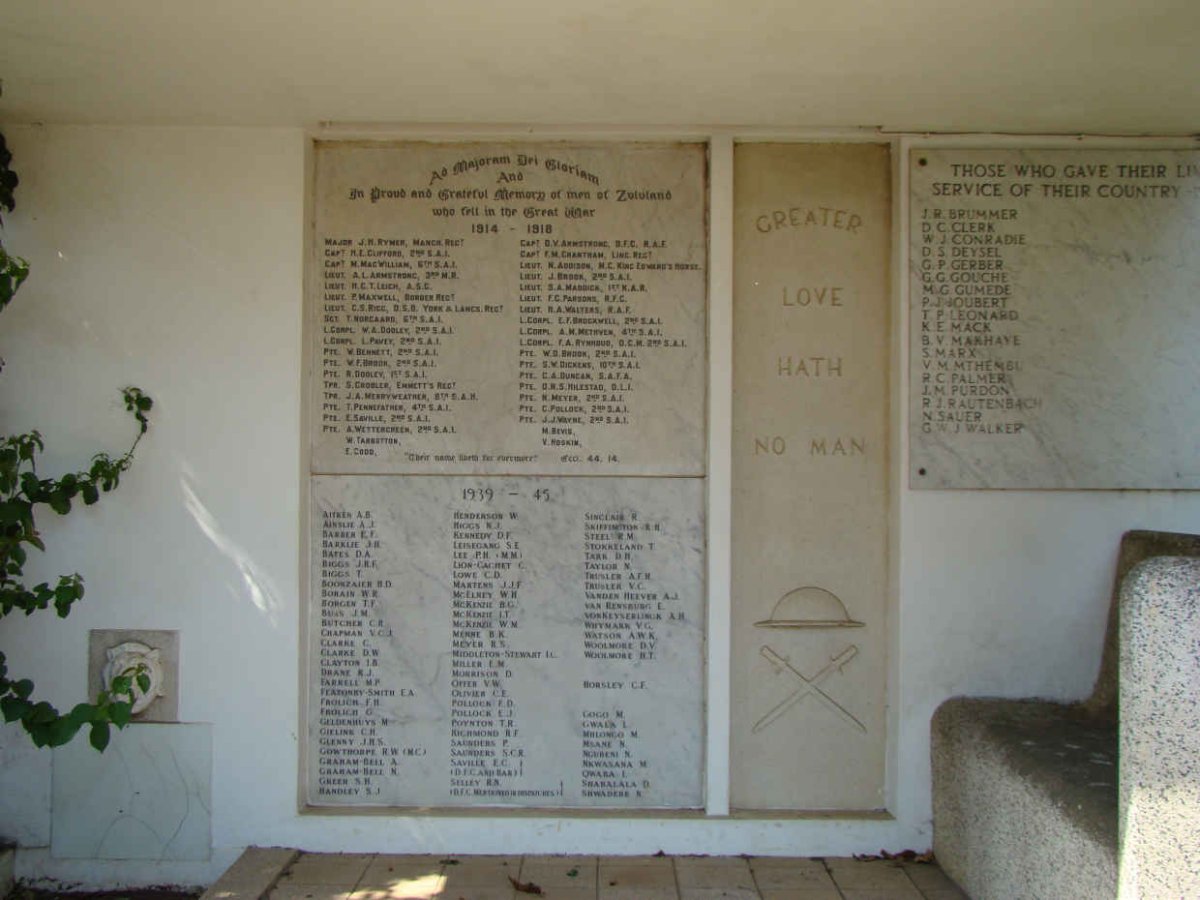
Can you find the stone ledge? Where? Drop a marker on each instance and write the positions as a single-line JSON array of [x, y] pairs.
[[252, 875], [1067, 756], [1022, 787]]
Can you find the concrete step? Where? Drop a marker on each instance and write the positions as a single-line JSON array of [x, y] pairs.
[[252, 875], [279, 874]]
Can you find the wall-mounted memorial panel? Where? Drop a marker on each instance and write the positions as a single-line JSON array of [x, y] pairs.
[[490, 624], [509, 308], [506, 642], [1054, 319], [811, 357]]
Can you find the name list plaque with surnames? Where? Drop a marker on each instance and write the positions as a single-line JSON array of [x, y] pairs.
[[508, 308], [506, 641], [490, 622], [1054, 317]]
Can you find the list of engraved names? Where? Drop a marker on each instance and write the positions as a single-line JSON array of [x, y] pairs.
[[484, 310], [506, 641], [970, 329], [490, 624], [1052, 293]]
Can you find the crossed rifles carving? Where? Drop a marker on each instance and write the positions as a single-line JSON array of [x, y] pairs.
[[808, 686]]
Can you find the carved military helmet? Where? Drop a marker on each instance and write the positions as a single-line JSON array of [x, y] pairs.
[[809, 607]]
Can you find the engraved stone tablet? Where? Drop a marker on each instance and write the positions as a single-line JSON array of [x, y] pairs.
[[506, 642], [810, 456], [1054, 319], [508, 308]]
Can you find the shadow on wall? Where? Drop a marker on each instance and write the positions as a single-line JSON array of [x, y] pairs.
[[259, 588]]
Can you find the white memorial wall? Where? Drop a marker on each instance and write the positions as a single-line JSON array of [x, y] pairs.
[[198, 273], [508, 479]]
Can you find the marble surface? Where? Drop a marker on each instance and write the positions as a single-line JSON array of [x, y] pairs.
[[147, 796], [505, 642], [1054, 319], [810, 487], [507, 308]]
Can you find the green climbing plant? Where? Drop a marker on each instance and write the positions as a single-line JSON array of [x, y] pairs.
[[23, 493]]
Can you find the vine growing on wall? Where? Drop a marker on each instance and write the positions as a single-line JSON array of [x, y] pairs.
[[23, 494]]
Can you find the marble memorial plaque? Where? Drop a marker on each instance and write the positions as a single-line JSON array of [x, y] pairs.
[[811, 359], [1054, 318], [506, 641], [508, 308]]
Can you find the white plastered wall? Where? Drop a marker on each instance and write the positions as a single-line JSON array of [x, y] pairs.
[[171, 258]]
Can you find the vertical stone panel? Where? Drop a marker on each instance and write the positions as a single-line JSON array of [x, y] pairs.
[[812, 227]]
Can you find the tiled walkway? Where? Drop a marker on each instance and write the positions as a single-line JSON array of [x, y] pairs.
[[327, 876]]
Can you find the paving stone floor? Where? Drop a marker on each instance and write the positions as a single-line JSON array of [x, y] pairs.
[[331, 876]]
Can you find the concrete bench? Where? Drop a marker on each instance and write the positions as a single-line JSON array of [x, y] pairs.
[[1026, 800], [1160, 729]]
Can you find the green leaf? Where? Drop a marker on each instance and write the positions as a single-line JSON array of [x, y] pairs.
[[63, 730], [68, 591], [90, 493], [14, 708], [31, 486], [81, 713], [13, 272], [120, 713], [8, 178], [98, 737], [39, 733], [13, 512], [42, 713], [143, 681], [22, 688]]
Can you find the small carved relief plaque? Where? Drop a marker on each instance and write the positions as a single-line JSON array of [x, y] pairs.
[[129, 651]]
